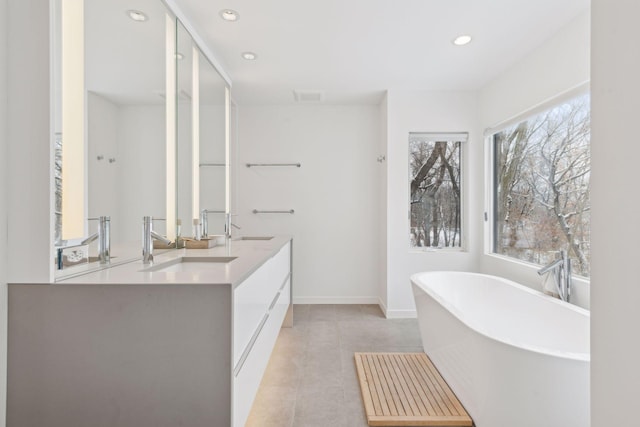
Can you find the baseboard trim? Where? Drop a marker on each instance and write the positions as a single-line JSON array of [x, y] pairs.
[[389, 314], [400, 314], [335, 300], [396, 314], [383, 307]]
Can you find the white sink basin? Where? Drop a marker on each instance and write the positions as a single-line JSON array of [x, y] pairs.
[[190, 264]]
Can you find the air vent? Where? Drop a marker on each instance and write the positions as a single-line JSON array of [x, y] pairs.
[[308, 96]]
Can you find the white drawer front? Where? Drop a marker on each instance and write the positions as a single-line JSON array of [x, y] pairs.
[[251, 302], [247, 379], [281, 266]]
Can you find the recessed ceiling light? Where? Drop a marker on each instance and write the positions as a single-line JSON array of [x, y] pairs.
[[249, 56], [462, 40], [136, 15], [229, 15]]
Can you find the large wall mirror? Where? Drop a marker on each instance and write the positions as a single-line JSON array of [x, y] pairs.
[[201, 116], [140, 129]]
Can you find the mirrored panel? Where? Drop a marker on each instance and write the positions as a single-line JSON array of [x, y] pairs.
[[185, 47], [111, 126], [201, 115], [212, 163]]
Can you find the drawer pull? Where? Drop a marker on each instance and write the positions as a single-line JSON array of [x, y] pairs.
[[284, 282], [249, 346], [275, 300]]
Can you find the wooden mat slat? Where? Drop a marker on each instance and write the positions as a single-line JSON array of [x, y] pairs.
[[450, 397], [405, 389], [404, 394], [424, 388], [432, 384], [426, 408], [384, 383]]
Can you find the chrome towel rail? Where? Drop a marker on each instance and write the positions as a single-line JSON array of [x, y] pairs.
[[290, 211], [250, 165]]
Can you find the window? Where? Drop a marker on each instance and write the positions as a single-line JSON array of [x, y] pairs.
[[435, 198], [541, 186]]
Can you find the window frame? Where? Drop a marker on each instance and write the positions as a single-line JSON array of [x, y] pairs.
[[490, 232], [463, 137]]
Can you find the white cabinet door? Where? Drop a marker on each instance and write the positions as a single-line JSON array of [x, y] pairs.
[[260, 306]]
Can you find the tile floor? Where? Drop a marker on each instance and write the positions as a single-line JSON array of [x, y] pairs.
[[311, 379]]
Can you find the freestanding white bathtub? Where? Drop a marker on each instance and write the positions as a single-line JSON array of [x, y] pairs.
[[512, 355]]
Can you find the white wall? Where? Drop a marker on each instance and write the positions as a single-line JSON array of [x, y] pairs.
[[29, 195], [3, 208], [334, 194], [557, 66], [212, 178], [102, 175], [615, 290], [142, 167], [382, 205], [427, 111]]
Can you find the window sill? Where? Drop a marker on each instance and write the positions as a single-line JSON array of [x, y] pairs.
[[532, 267], [420, 250]]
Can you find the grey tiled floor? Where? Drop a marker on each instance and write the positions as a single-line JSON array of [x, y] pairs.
[[311, 378]]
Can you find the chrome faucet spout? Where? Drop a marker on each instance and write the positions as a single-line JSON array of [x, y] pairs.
[[89, 239], [555, 264], [561, 269], [103, 237], [148, 235], [228, 225]]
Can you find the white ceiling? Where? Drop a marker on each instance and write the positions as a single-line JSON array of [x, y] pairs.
[[355, 49]]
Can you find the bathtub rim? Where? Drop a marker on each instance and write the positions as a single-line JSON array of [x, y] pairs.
[[577, 356]]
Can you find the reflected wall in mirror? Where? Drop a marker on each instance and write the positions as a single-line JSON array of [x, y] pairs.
[[115, 135], [201, 139]]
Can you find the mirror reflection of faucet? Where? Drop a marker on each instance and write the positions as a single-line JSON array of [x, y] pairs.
[[76, 255]]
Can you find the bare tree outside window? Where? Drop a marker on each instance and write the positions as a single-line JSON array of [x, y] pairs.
[[434, 180], [542, 171]]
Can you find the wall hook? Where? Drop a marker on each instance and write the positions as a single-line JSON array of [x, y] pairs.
[[382, 158], [112, 160]]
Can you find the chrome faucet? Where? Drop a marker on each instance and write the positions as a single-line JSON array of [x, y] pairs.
[[204, 221], [228, 224], [104, 239], [561, 269], [148, 235]]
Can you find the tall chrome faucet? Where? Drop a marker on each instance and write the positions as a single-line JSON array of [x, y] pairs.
[[561, 269], [228, 224], [204, 221], [148, 235], [104, 239]]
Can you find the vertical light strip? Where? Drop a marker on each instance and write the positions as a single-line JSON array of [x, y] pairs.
[[170, 64], [73, 121], [195, 133], [227, 153]]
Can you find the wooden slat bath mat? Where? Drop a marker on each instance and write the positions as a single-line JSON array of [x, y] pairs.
[[405, 389]]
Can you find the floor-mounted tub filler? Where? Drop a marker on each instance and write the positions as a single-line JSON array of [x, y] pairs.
[[512, 355]]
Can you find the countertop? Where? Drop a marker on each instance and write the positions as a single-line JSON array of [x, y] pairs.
[[250, 254]]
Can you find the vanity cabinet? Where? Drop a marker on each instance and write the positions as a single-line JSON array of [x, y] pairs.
[[260, 305], [100, 351]]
